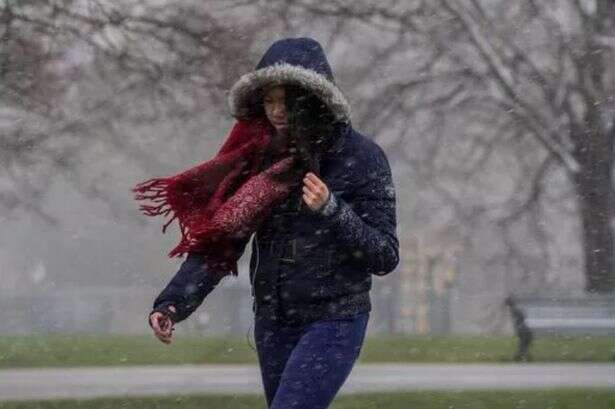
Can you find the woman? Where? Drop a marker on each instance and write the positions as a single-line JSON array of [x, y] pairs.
[[313, 256]]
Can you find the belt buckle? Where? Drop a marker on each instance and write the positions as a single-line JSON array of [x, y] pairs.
[[293, 246]]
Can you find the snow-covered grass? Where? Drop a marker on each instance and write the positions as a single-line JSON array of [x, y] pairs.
[[93, 350], [543, 399]]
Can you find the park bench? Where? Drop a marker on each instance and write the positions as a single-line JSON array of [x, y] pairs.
[[560, 314]]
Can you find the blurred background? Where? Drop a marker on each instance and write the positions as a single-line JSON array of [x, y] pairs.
[[496, 116]]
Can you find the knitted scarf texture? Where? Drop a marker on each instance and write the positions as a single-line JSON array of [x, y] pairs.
[[222, 201]]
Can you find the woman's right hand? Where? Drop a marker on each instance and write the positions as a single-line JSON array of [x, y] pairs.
[[162, 325]]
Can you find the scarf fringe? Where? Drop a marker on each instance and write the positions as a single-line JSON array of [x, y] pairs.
[[197, 196], [155, 190]]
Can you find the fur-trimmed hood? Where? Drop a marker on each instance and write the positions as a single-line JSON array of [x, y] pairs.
[[296, 61]]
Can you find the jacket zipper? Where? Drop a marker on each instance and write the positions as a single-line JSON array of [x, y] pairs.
[[255, 271]]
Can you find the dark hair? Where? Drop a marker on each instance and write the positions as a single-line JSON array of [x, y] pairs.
[[310, 115], [310, 126], [255, 107]]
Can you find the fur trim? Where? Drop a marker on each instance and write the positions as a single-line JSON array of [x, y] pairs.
[[282, 73]]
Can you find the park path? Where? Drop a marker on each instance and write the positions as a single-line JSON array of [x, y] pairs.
[[88, 382]]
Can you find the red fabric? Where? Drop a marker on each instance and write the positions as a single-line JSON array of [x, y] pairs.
[[222, 200]]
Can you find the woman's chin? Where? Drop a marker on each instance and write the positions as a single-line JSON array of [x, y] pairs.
[[282, 129]]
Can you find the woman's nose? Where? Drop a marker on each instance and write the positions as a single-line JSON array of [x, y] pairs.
[[279, 109]]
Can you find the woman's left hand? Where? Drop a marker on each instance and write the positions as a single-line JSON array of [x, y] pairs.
[[315, 192]]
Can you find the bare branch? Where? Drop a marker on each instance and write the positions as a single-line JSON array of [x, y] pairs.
[[504, 79]]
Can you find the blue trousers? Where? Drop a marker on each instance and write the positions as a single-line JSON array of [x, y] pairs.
[[305, 366]]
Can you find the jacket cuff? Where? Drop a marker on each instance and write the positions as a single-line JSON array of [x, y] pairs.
[[330, 206], [164, 309]]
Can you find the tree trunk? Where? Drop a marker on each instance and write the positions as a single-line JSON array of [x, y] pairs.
[[593, 187]]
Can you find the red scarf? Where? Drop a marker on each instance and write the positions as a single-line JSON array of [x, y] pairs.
[[223, 200]]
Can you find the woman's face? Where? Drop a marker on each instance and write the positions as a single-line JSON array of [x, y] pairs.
[[274, 102]]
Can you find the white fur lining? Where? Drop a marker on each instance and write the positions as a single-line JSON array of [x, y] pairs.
[[288, 73]]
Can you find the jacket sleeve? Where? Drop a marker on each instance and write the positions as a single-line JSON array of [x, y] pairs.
[[367, 226], [189, 287]]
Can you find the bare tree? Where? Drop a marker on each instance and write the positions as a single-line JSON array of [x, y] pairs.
[[500, 111], [539, 71], [79, 79], [571, 112]]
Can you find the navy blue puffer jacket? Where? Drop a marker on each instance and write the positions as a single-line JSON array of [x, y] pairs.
[[308, 265]]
